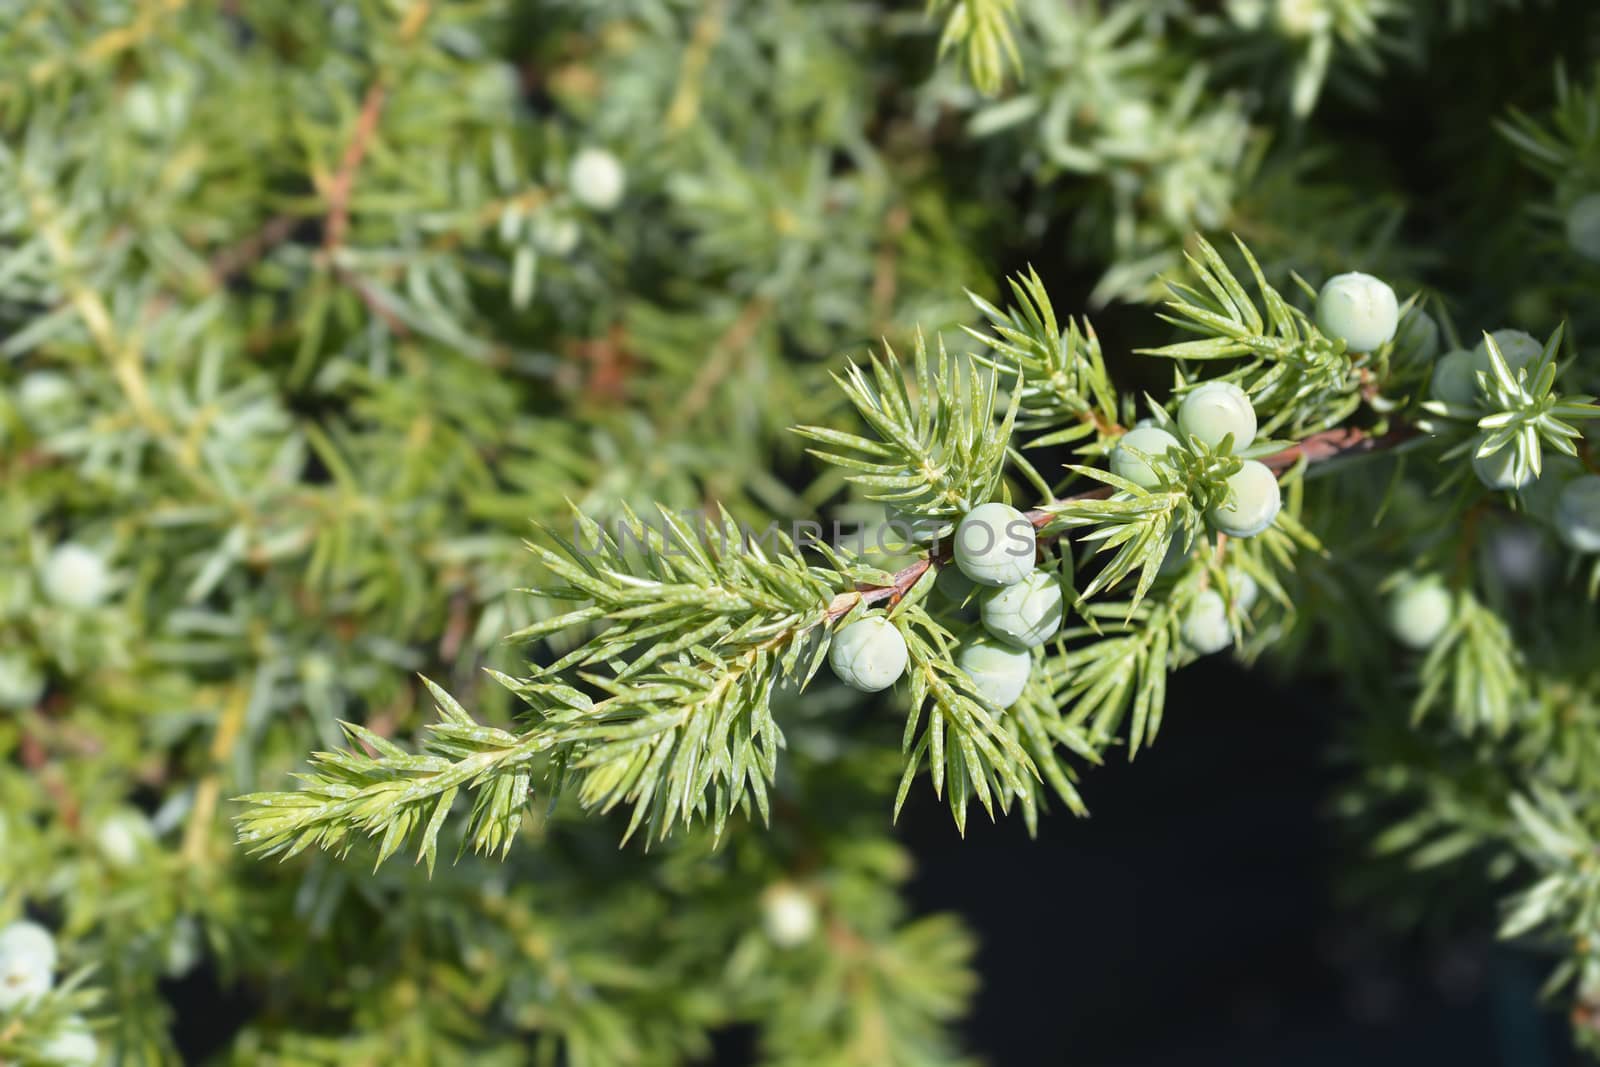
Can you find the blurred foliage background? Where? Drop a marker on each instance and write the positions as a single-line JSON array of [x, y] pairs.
[[307, 308]]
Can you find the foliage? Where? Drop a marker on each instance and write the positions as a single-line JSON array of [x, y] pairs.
[[303, 319]]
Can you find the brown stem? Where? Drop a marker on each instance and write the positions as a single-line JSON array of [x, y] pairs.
[[1335, 443], [342, 184], [339, 188], [1318, 448]]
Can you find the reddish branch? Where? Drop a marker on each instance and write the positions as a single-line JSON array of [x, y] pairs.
[[343, 182], [1335, 443], [1318, 448], [339, 188]]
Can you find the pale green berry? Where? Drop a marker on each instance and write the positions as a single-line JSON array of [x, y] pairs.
[[995, 545], [869, 654], [789, 915], [1244, 588], [1026, 614], [1542, 495], [154, 111], [1246, 14], [554, 234], [1455, 379], [1177, 555], [1302, 18], [184, 945], [72, 1045], [1359, 310], [21, 682], [1213, 411], [1150, 440], [124, 836], [1129, 119], [27, 963], [1518, 349], [1500, 470], [597, 179], [494, 86], [1583, 227], [1205, 627], [955, 587], [1252, 503], [1419, 612], [1518, 555], [1418, 336], [26, 940], [1578, 514], [21, 983], [44, 395], [75, 576], [999, 671]]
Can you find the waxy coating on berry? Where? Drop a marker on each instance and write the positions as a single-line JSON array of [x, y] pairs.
[[1518, 349], [999, 671], [123, 836], [955, 587], [868, 654], [1583, 227], [1205, 626], [1419, 612], [44, 393], [1501, 470], [1455, 379], [72, 1045], [1418, 336], [1213, 411], [995, 545], [1359, 310], [1518, 555], [597, 179], [789, 915], [75, 576], [1541, 496], [1244, 588], [25, 940], [27, 964], [185, 944], [1026, 614], [1302, 18], [1177, 555], [21, 682], [1153, 442], [1252, 504], [554, 234], [1578, 514]]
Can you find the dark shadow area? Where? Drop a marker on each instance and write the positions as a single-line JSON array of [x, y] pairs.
[[1191, 920]]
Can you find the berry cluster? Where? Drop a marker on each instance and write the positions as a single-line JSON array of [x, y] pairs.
[[27, 972], [995, 551], [1206, 628], [1561, 495], [1209, 415]]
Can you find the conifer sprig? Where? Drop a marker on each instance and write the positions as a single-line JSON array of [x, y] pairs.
[[936, 451], [982, 31], [1290, 369], [691, 626], [1060, 381], [1525, 411]]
